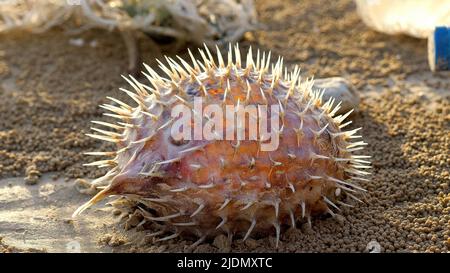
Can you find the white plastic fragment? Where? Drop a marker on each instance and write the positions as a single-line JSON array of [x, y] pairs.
[[402, 16]]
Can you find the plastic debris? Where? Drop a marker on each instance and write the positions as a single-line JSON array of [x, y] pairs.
[[439, 49], [417, 18], [198, 21]]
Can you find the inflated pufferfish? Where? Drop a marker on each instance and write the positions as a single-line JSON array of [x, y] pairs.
[[210, 186]]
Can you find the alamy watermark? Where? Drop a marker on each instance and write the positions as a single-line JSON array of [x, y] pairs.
[[227, 122]]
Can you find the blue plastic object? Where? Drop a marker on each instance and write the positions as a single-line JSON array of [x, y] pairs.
[[439, 49]]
